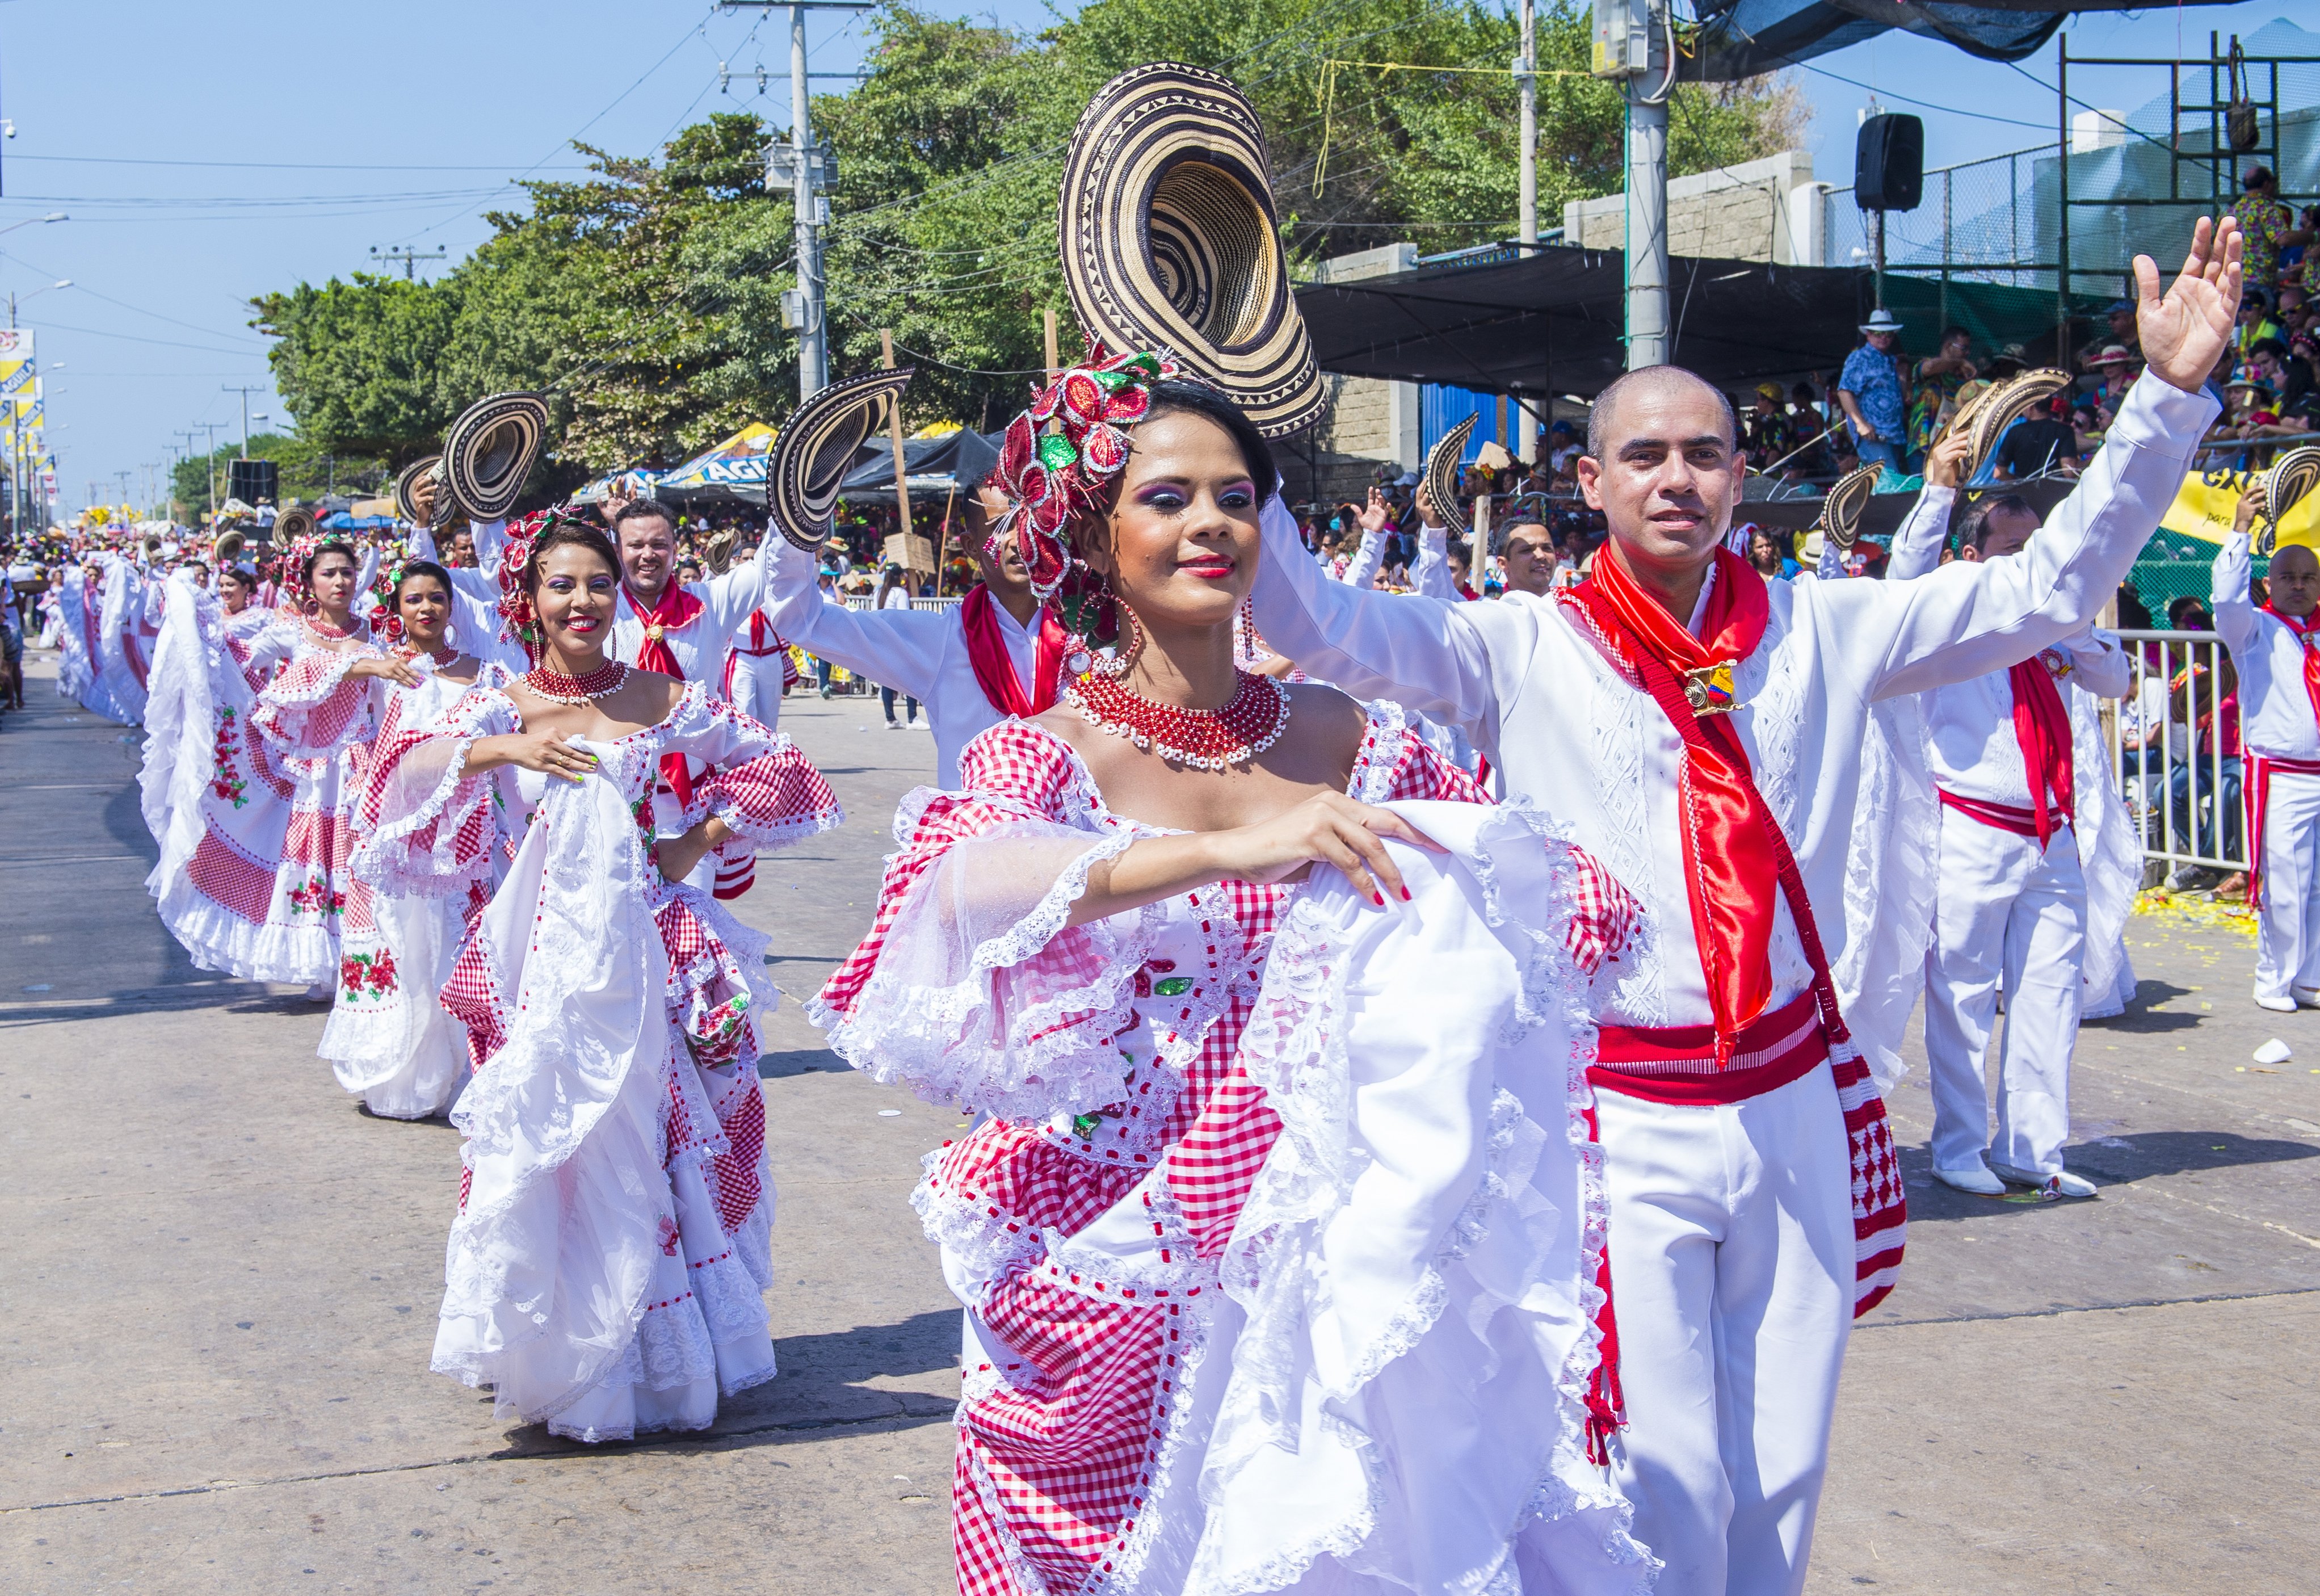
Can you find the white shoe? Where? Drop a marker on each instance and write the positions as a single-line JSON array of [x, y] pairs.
[[1976, 1180], [2278, 1005], [2307, 997], [2054, 1187]]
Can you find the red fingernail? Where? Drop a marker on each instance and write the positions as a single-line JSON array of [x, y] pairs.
[[1378, 898], [1405, 894]]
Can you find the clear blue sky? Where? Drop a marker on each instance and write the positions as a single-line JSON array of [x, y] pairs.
[[206, 154]]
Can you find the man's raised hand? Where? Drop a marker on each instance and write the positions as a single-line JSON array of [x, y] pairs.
[[2183, 334]]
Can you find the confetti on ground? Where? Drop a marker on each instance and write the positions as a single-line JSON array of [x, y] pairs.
[[2185, 913]]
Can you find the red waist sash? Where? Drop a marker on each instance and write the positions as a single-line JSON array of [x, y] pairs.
[[1676, 1064], [2002, 817], [2255, 796]]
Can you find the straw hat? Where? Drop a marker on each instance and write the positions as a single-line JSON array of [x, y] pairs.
[[717, 549], [489, 451], [1171, 241], [1840, 513], [1440, 481], [292, 524], [420, 470], [2007, 403], [816, 448], [2291, 477]]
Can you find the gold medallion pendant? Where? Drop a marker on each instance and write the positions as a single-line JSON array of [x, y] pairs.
[[1708, 689]]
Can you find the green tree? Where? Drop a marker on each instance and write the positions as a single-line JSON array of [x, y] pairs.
[[360, 364], [646, 298]]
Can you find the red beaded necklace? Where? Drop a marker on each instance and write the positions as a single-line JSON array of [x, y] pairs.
[[1205, 740], [559, 688]]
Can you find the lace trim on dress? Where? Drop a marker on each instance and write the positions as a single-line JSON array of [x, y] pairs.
[[1304, 1067], [1045, 1059]]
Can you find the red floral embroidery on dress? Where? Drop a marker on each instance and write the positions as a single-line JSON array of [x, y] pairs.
[[224, 781], [366, 976], [318, 897]]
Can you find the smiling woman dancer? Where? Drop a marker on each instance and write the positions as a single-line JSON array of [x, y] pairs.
[[607, 1268], [388, 1039], [1173, 1365], [252, 878]]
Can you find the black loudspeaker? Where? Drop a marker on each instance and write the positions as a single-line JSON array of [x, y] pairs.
[[253, 482], [1889, 164]]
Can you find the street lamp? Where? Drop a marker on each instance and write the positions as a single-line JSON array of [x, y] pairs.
[[33, 221], [35, 293]]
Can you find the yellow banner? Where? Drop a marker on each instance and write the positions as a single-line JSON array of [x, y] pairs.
[[2203, 509]]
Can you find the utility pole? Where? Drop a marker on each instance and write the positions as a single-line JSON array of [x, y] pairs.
[[1526, 83], [1631, 47], [188, 449], [409, 257], [810, 173], [209, 460], [245, 392]]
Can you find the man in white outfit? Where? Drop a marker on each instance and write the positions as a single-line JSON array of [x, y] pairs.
[[1753, 1191], [2011, 911], [2276, 651], [997, 654]]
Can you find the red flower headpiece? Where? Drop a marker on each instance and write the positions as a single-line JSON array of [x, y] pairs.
[[1058, 454], [293, 580], [386, 619], [519, 621]]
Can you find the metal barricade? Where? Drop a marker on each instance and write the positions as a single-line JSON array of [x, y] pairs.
[[2168, 745], [855, 686]]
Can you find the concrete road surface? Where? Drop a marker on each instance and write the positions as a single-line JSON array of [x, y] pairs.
[[220, 1282]]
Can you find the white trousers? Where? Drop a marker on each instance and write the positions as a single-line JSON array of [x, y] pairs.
[[2288, 935], [1732, 1268], [2007, 918], [757, 686]]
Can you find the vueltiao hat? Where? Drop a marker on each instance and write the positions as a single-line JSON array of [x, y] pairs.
[[1840, 513], [1441, 478], [406, 483], [2007, 403], [2291, 477], [489, 451], [292, 524], [1171, 241], [816, 448]]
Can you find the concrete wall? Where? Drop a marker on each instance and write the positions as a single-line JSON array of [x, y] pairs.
[[1370, 422], [1760, 210]]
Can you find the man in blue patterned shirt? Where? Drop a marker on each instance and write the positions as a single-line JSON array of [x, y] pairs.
[[1869, 390]]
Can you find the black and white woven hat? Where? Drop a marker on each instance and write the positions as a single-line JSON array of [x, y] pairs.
[[489, 451], [817, 445], [406, 484], [1171, 241], [1440, 482], [1840, 513]]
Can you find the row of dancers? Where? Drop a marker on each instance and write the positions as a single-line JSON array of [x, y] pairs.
[[1373, 1186]]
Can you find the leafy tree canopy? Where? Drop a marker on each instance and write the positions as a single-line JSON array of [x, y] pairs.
[[646, 298]]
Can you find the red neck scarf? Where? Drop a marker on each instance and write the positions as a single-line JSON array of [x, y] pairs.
[[995, 666], [2307, 632], [1734, 857], [674, 608], [2043, 727]]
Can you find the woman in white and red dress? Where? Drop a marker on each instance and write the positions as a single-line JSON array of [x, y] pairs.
[[253, 878], [606, 1271], [389, 1040], [1232, 1325]]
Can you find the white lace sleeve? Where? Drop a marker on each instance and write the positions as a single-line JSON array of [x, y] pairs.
[[422, 824], [971, 988]]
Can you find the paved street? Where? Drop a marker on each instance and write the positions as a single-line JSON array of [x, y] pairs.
[[220, 1280]]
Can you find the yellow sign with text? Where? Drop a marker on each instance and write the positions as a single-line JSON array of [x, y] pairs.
[[2206, 504]]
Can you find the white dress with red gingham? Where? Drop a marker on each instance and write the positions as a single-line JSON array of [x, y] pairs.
[[1092, 1223], [606, 1273], [253, 875], [389, 1039]]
